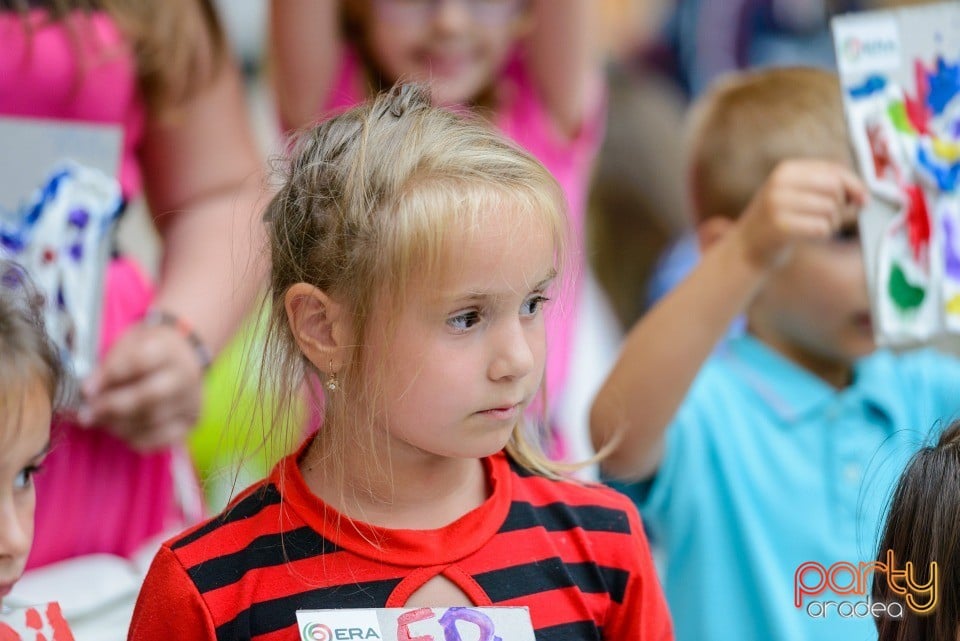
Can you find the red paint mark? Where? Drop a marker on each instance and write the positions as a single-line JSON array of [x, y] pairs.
[[918, 220], [917, 109], [33, 619], [880, 151], [49, 255], [8, 634], [405, 619], [61, 631]]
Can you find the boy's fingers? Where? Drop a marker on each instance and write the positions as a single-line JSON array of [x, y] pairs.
[[813, 203], [832, 177], [814, 227], [854, 189]]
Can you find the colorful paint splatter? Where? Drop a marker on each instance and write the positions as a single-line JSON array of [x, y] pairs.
[[905, 126]]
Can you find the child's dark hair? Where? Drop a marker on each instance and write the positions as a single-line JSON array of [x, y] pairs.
[[27, 354], [923, 527]]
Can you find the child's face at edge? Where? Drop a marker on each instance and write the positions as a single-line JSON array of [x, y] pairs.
[[458, 53], [815, 309], [24, 441], [465, 354]]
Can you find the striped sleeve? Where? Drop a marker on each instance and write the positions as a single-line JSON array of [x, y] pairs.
[[642, 614], [169, 606]]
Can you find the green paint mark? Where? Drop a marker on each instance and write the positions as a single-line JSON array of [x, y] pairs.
[[906, 296], [901, 122]]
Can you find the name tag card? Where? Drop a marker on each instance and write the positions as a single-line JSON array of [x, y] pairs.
[[37, 623], [417, 624], [901, 92]]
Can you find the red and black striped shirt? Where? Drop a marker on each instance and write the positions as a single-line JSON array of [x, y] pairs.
[[573, 553]]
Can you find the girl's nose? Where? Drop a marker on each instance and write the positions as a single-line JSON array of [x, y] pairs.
[[513, 355], [451, 16], [16, 531]]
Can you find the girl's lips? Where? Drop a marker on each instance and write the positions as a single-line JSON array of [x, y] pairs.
[[446, 64], [502, 413]]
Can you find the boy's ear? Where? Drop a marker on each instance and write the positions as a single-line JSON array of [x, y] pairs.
[[320, 326], [711, 230]]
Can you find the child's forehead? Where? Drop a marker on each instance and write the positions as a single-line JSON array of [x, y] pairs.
[[508, 256], [25, 413]]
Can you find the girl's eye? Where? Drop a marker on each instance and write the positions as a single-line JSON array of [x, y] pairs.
[[464, 321], [25, 478], [533, 305]]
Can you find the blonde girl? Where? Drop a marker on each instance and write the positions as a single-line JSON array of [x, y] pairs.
[[412, 254]]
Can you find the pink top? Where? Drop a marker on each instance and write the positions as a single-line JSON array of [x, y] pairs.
[[95, 494], [524, 118], [40, 77]]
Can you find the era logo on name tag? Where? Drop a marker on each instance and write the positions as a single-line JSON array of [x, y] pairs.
[[417, 624]]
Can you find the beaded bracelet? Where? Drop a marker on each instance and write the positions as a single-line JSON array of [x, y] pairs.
[[155, 317]]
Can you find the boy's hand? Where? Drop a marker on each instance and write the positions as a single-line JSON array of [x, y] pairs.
[[801, 200]]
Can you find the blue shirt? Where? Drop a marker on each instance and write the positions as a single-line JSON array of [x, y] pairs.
[[767, 467]]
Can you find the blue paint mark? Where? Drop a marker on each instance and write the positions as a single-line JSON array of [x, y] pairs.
[[76, 252], [950, 248], [870, 86], [944, 85], [943, 174], [79, 218], [13, 242]]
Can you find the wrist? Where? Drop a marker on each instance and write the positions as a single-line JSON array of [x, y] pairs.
[[160, 317], [743, 264]]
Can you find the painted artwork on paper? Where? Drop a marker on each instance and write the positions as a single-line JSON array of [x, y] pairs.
[[900, 73], [37, 623], [417, 624], [61, 237], [59, 202]]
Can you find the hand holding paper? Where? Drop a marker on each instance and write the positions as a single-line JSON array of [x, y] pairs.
[[801, 200], [147, 390]]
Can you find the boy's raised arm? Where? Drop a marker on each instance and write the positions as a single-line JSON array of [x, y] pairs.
[[662, 354]]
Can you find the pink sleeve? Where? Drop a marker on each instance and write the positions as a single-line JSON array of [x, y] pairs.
[[169, 606], [524, 118]]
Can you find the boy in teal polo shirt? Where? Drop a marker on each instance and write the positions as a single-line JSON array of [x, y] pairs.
[[762, 467]]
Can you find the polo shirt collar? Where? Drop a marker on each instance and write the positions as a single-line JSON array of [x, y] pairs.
[[792, 392]]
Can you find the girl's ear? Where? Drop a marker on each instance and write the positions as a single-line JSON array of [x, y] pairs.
[[319, 325]]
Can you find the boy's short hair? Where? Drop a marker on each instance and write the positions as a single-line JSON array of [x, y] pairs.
[[749, 122]]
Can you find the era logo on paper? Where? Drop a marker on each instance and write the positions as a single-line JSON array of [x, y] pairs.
[[321, 632]]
